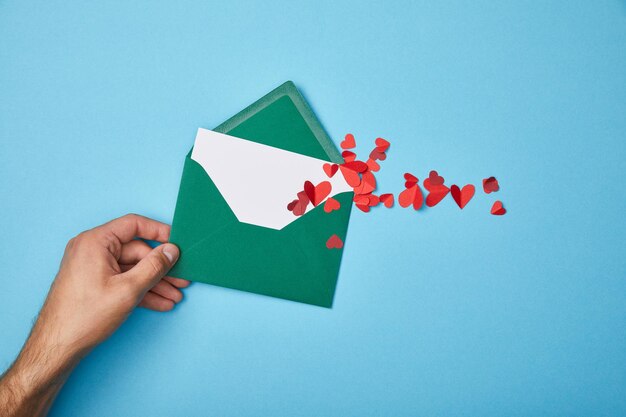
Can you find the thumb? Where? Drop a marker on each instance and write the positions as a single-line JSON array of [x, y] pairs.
[[149, 271]]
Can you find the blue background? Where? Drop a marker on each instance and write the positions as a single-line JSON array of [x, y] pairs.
[[440, 312]]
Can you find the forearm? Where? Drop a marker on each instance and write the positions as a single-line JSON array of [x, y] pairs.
[[30, 386]]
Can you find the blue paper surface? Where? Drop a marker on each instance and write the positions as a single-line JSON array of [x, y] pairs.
[[445, 312]]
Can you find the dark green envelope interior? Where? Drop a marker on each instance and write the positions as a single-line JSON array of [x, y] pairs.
[[292, 263]]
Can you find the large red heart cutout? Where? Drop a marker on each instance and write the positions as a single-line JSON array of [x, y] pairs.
[[412, 195], [462, 196], [317, 193], [437, 191]]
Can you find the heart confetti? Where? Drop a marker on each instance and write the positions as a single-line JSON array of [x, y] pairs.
[[498, 209], [331, 204], [360, 177], [411, 196], [490, 185], [352, 177], [330, 169], [437, 191], [381, 145], [334, 242], [348, 142], [348, 156], [299, 208], [387, 200], [411, 180], [372, 165], [376, 154], [462, 196], [317, 193], [434, 178]]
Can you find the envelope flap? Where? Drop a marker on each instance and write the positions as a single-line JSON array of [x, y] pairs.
[[279, 117]]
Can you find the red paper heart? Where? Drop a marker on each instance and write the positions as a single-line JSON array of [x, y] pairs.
[[363, 207], [376, 154], [434, 178], [412, 195], [334, 242], [317, 193], [368, 183], [381, 144], [372, 165], [361, 199], [348, 156], [498, 209], [411, 180], [387, 200], [300, 207], [437, 191], [369, 200], [330, 169], [358, 166], [490, 185], [331, 204], [348, 142], [352, 177], [291, 205], [464, 195], [436, 194]]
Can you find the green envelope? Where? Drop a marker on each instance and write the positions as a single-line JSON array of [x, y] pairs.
[[292, 263]]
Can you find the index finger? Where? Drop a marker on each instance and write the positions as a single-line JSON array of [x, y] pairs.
[[130, 226]]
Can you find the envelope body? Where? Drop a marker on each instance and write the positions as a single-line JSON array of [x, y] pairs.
[[217, 248]]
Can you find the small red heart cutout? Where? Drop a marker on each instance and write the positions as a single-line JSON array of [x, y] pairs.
[[301, 204], [330, 169], [411, 180], [490, 185], [348, 156], [334, 242], [331, 204], [412, 195], [317, 193], [372, 165], [376, 154], [434, 178], [464, 195], [348, 142], [498, 209], [381, 144], [387, 200]]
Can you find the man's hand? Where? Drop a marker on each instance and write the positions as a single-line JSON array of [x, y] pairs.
[[105, 273]]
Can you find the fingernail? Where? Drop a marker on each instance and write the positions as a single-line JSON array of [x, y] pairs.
[[171, 252]]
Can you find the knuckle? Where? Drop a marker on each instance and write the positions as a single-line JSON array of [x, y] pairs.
[[131, 216]]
